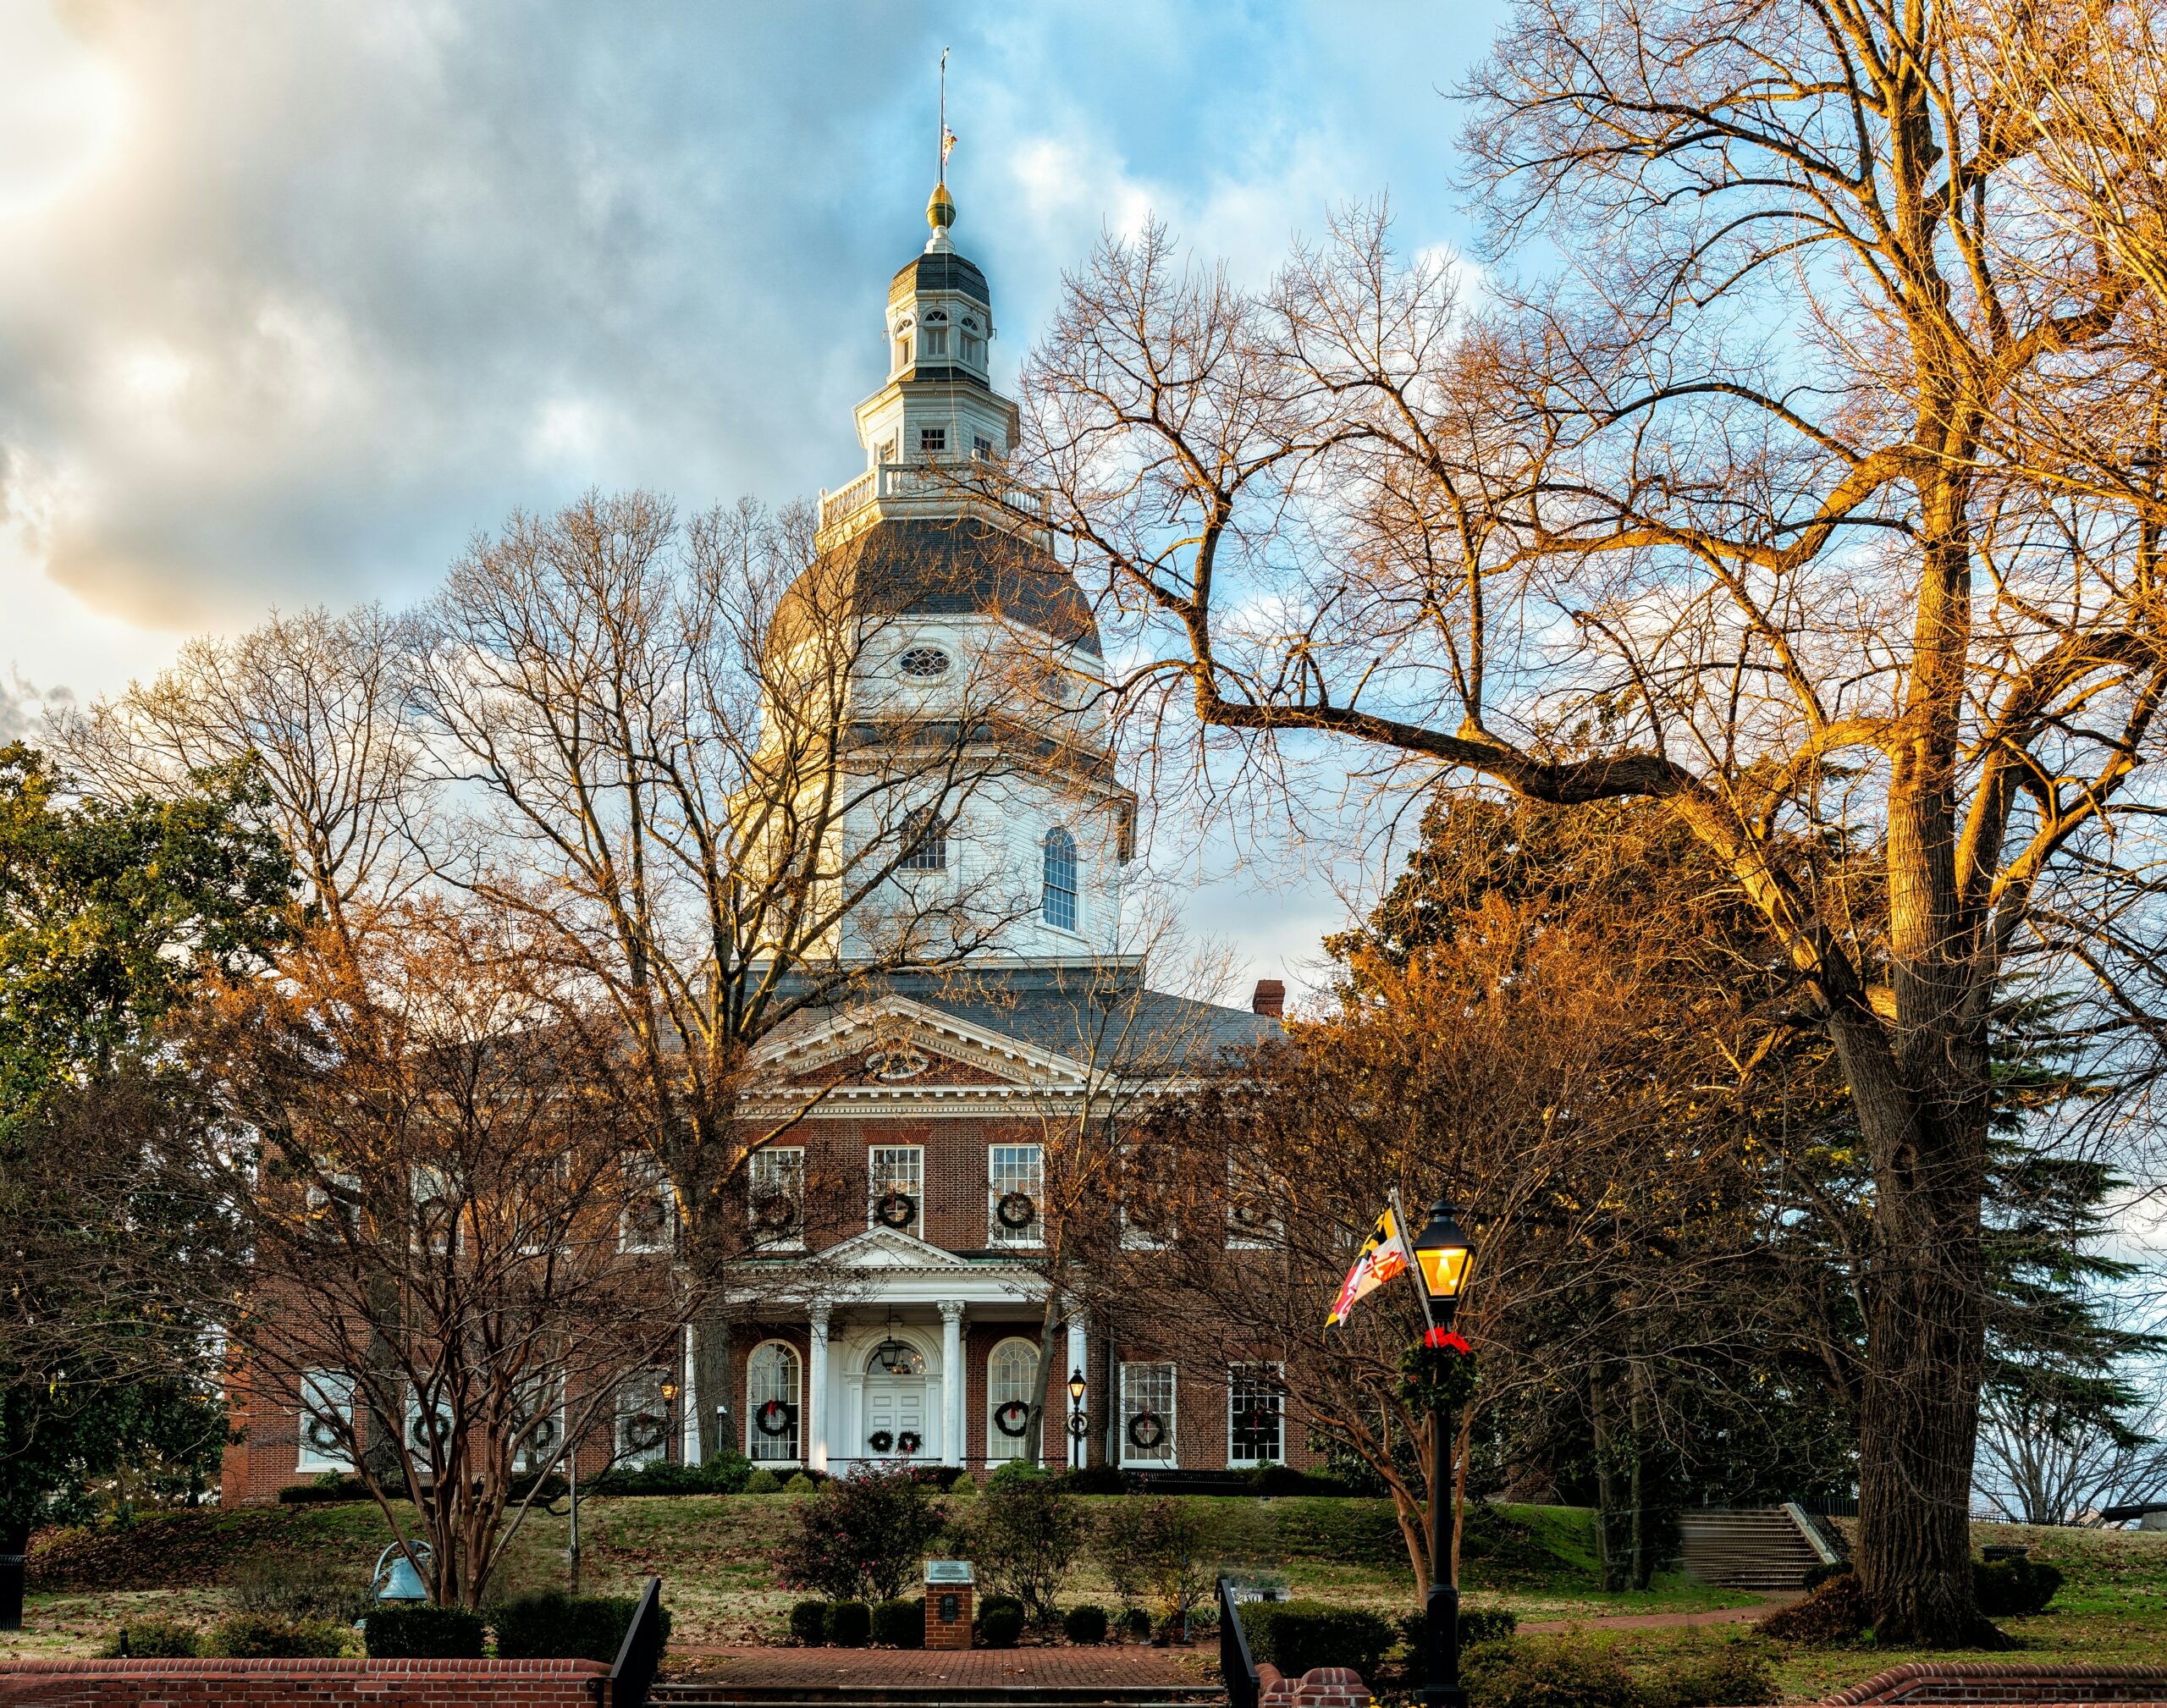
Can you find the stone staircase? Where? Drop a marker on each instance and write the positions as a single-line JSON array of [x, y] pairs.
[[1757, 1548]]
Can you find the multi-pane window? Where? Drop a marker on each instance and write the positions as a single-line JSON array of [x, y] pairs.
[[771, 1402], [649, 1218], [1252, 1222], [326, 1422], [1059, 899], [981, 446], [896, 1179], [642, 1421], [775, 1195], [1256, 1415], [973, 343], [537, 1424], [1147, 1212], [932, 441], [1016, 1188], [1008, 1375], [925, 842], [887, 454], [435, 1208], [335, 1200], [428, 1431], [1147, 1414], [935, 335], [903, 350]]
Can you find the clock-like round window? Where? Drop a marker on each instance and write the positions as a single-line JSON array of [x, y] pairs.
[[924, 663]]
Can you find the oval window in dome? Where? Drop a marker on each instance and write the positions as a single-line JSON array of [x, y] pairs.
[[924, 663]]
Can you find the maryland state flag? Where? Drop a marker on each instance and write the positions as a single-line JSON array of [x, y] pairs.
[[1382, 1256]]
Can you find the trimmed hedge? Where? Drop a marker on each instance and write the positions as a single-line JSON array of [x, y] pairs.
[[900, 1623], [1285, 1479], [1001, 1621], [808, 1622], [726, 1473], [847, 1624], [1295, 1636], [1476, 1625], [1084, 1625], [423, 1632], [553, 1626], [153, 1639], [1095, 1479], [253, 1637]]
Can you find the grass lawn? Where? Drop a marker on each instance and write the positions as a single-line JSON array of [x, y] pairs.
[[713, 1555]]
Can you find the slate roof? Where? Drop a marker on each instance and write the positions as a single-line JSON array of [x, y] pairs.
[[947, 271]]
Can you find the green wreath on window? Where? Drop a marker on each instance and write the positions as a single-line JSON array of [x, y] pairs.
[[1146, 1430], [1016, 1211], [896, 1209], [1012, 1418]]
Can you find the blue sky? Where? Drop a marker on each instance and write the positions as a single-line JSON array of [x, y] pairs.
[[295, 299]]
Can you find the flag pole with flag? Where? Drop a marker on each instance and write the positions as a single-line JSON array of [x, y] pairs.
[[1383, 1256]]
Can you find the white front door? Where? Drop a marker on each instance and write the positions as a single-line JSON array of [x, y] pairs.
[[895, 1406]]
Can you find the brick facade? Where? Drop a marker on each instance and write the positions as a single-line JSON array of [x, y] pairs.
[[2006, 1681]]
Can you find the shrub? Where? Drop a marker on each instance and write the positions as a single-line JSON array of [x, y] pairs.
[[1298, 1635], [424, 1631], [1025, 1537], [1570, 1671], [865, 1532], [2013, 1588], [1723, 1675], [1096, 1479], [286, 1586], [1001, 1621], [1134, 1623], [1015, 1471], [726, 1473], [1816, 1576], [255, 1636], [1269, 1479], [153, 1639], [764, 1481], [330, 1486], [900, 1623], [808, 1622], [1476, 1625], [800, 1485], [553, 1626], [1157, 1546], [1835, 1612], [847, 1624], [1084, 1625]]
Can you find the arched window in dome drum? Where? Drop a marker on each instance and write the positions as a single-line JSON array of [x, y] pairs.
[[1059, 902], [902, 345], [936, 336], [974, 343]]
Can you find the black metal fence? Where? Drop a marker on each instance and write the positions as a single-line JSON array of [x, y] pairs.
[[1235, 1665], [640, 1655]]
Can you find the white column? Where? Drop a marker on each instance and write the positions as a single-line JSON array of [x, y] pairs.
[[1076, 1352], [954, 1381], [689, 1435], [815, 1444]]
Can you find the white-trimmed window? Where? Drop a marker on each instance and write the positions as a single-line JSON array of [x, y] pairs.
[[925, 841], [775, 1195], [538, 1415], [886, 451], [428, 1430], [435, 1208], [1147, 1214], [642, 1421], [771, 1403], [648, 1223], [1015, 1194], [900, 346], [1252, 1221], [1058, 895], [981, 446], [934, 336], [1008, 1375], [1256, 1414], [334, 1198], [932, 441], [973, 342], [325, 1422], [896, 1179], [1147, 1415]]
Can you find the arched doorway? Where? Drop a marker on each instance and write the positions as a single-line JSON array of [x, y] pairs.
[[895, 1420]]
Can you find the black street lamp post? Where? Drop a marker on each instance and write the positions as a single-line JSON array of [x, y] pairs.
[[1441, 1253], [1078, 1425]]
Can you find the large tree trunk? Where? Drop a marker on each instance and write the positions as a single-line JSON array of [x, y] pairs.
[[1926, 1332], [14, 1559], [1607, 1526]]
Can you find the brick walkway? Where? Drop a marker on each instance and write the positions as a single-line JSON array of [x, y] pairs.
[[820, 1669]]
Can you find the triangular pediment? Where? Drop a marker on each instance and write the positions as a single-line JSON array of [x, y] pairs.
[[885, 1247], [892, 1044]]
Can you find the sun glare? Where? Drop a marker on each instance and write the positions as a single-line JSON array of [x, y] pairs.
[[61, 106]]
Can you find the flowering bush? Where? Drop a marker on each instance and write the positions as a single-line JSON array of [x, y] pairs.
[[859, 1537]]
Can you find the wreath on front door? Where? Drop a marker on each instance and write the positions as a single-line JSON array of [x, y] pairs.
[[772, 1418], [908, 1442], [1016, 1211], [896, 1209], [1146, 1430], [1012, 1418], [879, 1440]]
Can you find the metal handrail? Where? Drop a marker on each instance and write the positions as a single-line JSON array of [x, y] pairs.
[[1235, 1667], [639, 1656]]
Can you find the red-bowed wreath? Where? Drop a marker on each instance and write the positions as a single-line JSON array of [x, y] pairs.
[[1438, 1372]]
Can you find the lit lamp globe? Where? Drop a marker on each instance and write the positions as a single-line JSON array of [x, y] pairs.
[[1076, 1387], [1442, 1251]]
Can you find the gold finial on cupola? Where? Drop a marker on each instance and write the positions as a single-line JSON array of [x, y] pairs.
[[940, 211]]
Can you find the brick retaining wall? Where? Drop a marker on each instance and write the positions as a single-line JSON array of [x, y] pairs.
[[320, 1683], [2006, 1681]]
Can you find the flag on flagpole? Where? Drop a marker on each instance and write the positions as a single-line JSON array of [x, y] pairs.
[[1383, 1255], [948, 146]]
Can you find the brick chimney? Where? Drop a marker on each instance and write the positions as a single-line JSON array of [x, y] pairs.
[[1271, 998]]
